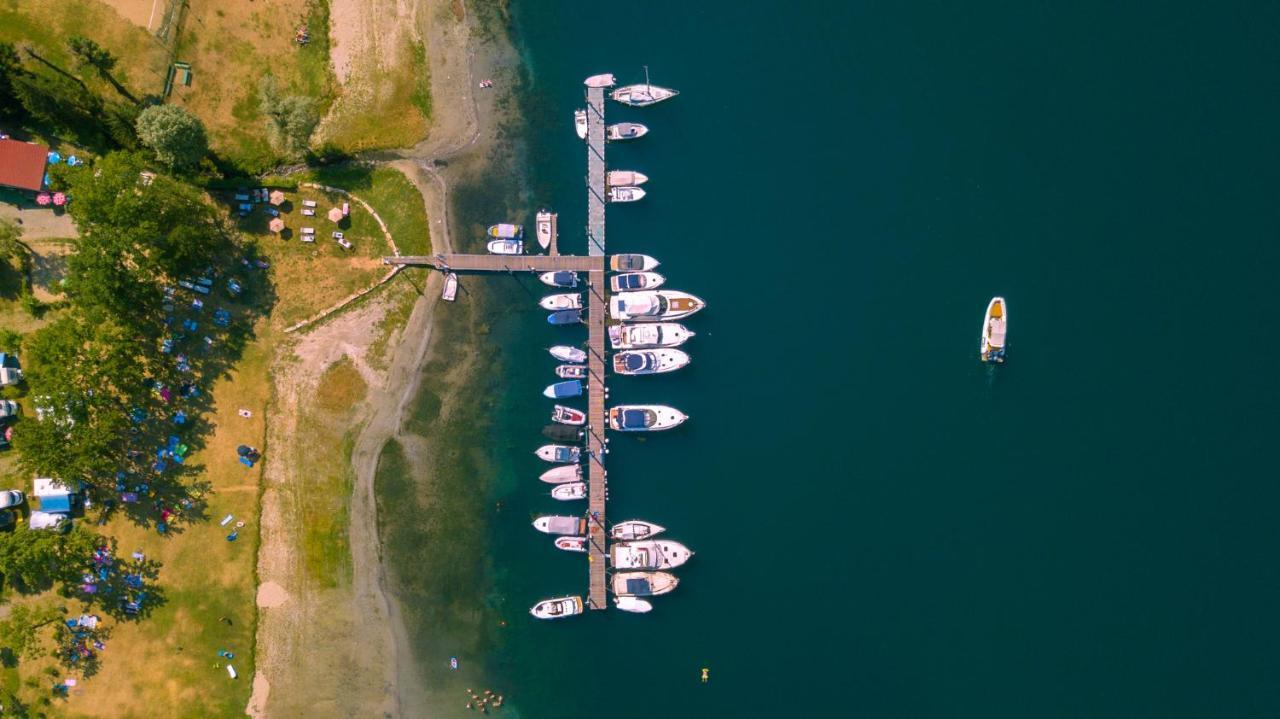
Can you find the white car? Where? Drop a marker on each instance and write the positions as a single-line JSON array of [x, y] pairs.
[[8, 408], [10, 498]]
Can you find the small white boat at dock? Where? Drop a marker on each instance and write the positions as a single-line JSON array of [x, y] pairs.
[[626, 177], [995, 325], [648, 554], [634, 529], [559, 453], [655, 361], [568, 415], [650, 334], [645, 417], [559, 524], [568, 388], [562, 474], [565, 301], [642, 94], [580, 123], [569, 491], [571, 544], [653, 305], [565, 353], [626, 131], [450, 291], [506, 231], [571, 371], [557, 608], [643, 584], [626, 194], [560, 278], [506, 247], [604, 79], [544, 224], [632, 263], [632, 281], [635, 605]]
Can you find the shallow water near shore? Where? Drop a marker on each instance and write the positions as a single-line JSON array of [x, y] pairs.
[[883, 525]]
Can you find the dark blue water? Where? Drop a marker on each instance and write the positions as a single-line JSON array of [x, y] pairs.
[[885, 526]]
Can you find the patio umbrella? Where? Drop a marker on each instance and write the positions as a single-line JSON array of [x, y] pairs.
[[44, 199], [276, 197], [276, 224], [59, 199], [335, 214]]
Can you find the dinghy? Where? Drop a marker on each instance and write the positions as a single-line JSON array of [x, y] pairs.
[[653, 305], [559, 453], [569, 491], [565, 353], [571, 544], [563, 473], [556, 524], [562, 433], [562, 278], [642, 94], [654, 334], [572, 388], [626, 177], [643, 584], [545, 226], [994, 326], [632, 281], [645, 417], [604, 79], [580, 123], [505, 247], [632, 263], [506, 231], [450, 291], [626, 131], [648, 554], [634, 605], [557, 608], [634, 529], [564, 301], [568, 415], [657, 361], [625, 194], [565, 317], [571, 371]]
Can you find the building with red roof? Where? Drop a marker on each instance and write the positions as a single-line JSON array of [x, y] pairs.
[[22, 165]]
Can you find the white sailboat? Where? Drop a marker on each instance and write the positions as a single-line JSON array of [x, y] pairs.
[[642, 95]]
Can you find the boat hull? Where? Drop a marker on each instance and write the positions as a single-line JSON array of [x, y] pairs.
[[656, 361], [562, 301], [626, 194], [571, 544], [559, 279], [632, 263], [636, 281], [558, 453], [565, 353], [557, 608], [571, 388], [450, 291], [635, 529], [656, 418], [648, 554], [565, 317], [572, 371], [648, 335], [626, 131], [505, 247], [505, 231], [643, 584], [568, 415], [642, 94], [560, 525], [654, 305], [569, 491], [626, 177], [995, 324], [544, 224], [563, 474], [635, 605]]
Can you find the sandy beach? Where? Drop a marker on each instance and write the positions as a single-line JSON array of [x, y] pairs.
[[343, 650]]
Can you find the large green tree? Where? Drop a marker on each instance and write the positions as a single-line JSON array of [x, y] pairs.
[[175, 135], [35, 560], [10, 68], [20, 632], [93, 55]]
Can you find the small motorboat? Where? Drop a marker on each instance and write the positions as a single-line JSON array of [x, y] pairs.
[[571, 371], [642, 94], [655, 361], [559, 453], [648, 554], [506, 231], [632, 263], [645, 417], [626, 131], [565, 301], [572, 388], [625, 194], [580, 123], [634, 605], [568, 415], [557, 608], [569, 491], [545, 227], [634, 529], [632, 281], [450, 291], [571, 544], [565, 353], [563, 473], [562, 433], [565, 317], [626, 177], [604, 79], [994, 326], [653, 334], [557, 524], [506, 247], [562, 278], [653, 305], [643, 584]]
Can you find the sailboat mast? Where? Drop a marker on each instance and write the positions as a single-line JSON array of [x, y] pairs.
[[646, 81]]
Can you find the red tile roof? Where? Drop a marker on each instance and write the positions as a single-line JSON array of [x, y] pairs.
[[22, 164]]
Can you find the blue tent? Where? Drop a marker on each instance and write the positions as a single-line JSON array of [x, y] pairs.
[[56, 504]]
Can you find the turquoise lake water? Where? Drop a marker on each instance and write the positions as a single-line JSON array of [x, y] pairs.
[[884, 526]]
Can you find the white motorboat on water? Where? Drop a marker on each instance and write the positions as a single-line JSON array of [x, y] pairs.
[[604, 79], [653, 305], [632, 281], [626, 131], [632, 263], [450, 291], [580, 123], [565, 301], [571, 371], [560, 278], [634, 529], [626, 194], [645, 417], [635, 605], [569, 491], [565, 353], [559, 524], [563, 473], [648, 554], [506, 247], [558, 453], [568, 388], [506, 231], [650, 334], [568, 415], [544, 224], [571, 544], [643, 584], [642, 94], [654, 361], [557, 608], [994, 327], [625, 177]]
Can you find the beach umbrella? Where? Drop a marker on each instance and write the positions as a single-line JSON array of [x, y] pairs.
[[276, 197], [43, 198], [335, 214], [59, 199], [276, 224]]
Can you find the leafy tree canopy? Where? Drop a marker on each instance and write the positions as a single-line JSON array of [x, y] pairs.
[[175, 135], [36, 559]]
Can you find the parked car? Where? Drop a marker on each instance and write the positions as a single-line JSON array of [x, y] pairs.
[[8, 408], [49, 520], [10, 370], [7, 519], [11, 498]]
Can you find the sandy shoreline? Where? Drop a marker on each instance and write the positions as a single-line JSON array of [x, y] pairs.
[[345, 651]]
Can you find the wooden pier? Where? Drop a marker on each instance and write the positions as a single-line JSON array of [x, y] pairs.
[[595, 169]]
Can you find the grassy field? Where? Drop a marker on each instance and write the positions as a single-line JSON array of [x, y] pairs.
[[383, 109]]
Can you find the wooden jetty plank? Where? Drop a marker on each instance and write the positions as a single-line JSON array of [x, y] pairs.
[[500, 263], [597, 549], [595, 171]]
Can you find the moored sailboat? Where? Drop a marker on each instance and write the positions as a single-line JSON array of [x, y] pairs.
[[642, 94]]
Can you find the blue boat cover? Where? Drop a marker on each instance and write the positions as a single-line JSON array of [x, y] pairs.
[[633, 418], [565, 317], [630, 282], [635, 363], [572, 388], [638, 587], [564, 454], [565, 279]]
